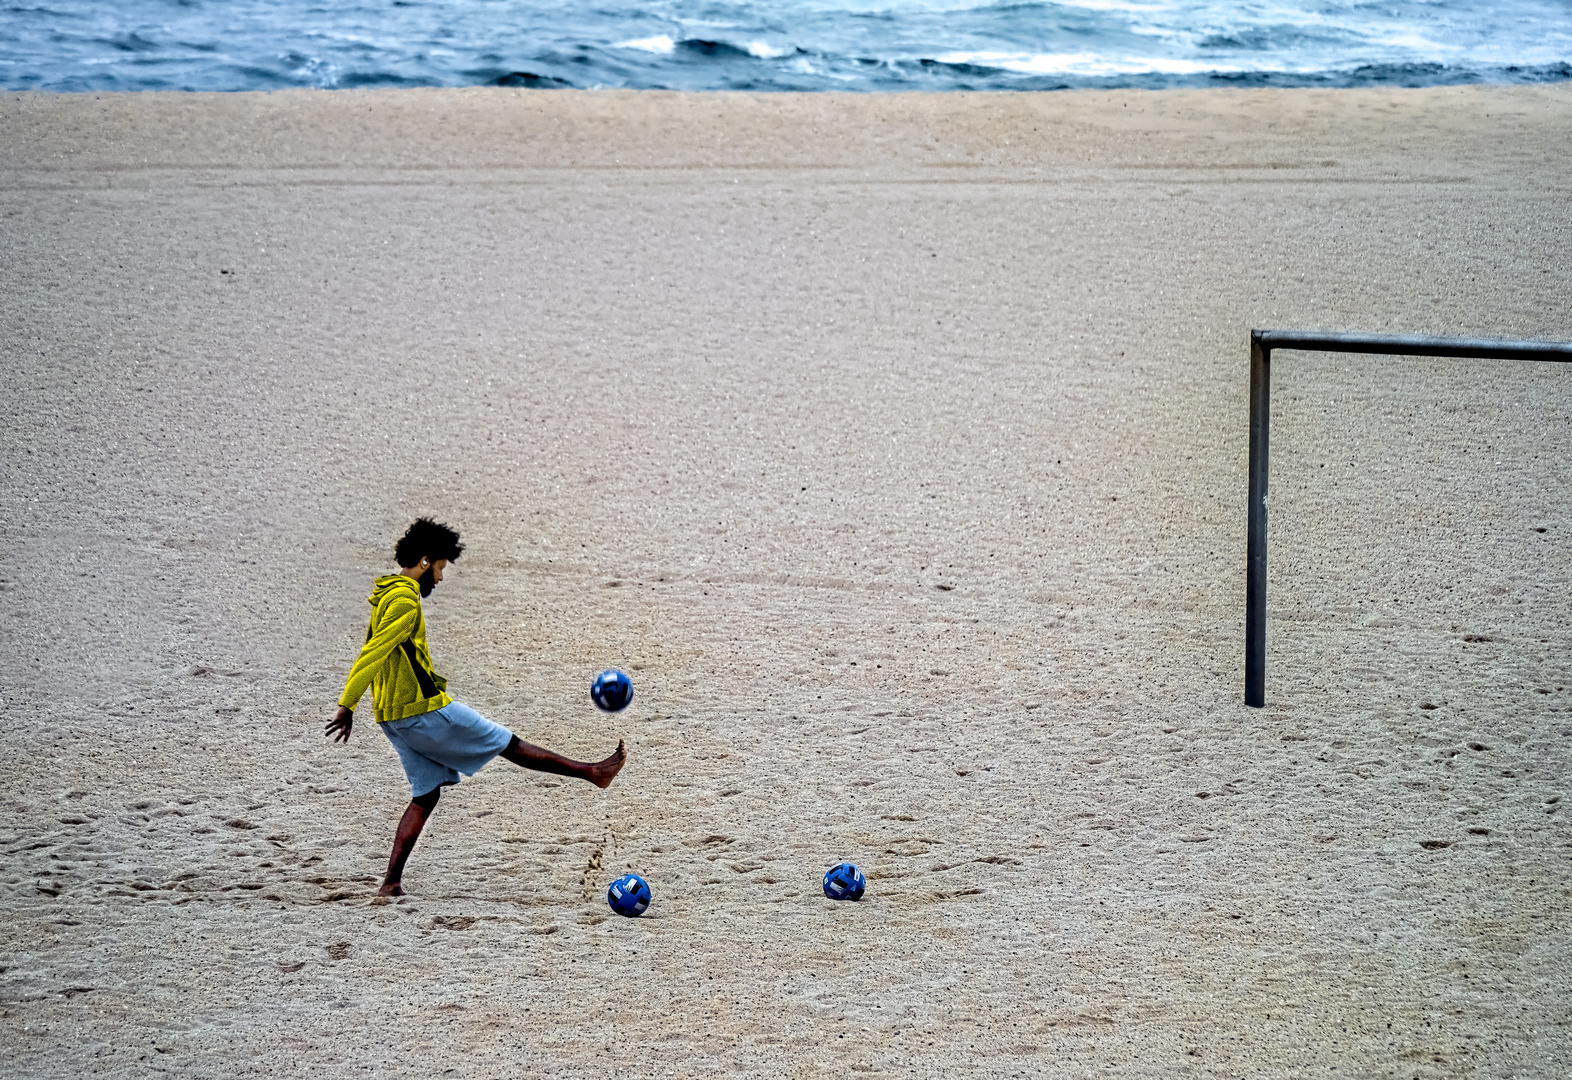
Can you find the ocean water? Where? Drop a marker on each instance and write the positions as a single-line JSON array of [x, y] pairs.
[[802, 45]]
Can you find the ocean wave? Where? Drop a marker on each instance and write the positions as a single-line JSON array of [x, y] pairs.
[[792, 45], [704, 47]]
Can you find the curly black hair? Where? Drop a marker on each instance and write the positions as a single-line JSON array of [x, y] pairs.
[[427, 539]]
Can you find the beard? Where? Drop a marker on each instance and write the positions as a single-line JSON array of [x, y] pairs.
[[427, 581]]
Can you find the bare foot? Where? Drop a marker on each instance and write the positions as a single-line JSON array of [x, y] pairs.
[[602, 773], [391, 888]]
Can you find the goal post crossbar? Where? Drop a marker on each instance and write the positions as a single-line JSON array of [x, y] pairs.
[[1262, 342]]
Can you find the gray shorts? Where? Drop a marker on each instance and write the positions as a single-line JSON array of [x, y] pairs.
[[436, 746]]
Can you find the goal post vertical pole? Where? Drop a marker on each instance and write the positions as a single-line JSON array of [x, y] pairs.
[[1262, 342], [1255, 546]]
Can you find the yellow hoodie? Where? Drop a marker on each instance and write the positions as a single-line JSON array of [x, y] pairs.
[[395, 662]]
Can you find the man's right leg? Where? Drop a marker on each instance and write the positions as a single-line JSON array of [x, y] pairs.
[[600, 773], [409, 826]]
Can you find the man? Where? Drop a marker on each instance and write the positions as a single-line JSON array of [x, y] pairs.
[[436, 737]]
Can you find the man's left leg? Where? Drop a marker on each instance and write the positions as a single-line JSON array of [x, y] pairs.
[[409, 826]]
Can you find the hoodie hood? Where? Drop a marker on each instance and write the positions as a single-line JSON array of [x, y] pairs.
[[383, 588]]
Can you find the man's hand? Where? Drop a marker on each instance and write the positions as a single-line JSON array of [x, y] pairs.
[[339, 727]]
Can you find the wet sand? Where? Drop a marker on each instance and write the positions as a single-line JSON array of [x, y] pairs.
[[895, 446]]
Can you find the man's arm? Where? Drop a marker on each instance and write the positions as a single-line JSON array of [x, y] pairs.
[[395, 627], [389, 635]]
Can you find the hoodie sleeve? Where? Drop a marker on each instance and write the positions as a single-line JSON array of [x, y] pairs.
[[397, 624]]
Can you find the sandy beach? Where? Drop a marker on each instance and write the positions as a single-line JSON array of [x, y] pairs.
[[895, 446]]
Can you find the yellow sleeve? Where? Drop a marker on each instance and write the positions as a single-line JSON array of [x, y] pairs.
[[397, 624]]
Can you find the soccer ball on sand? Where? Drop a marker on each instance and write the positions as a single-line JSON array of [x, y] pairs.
[[844, 882], [629, 895]]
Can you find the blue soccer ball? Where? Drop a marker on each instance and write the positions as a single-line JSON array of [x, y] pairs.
[[844, 882], [629, 895], [611, 691]]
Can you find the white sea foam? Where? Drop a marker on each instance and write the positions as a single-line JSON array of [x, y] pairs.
[[1417, 43], [765, 51], [1114, 5], [660, 43], [1087, 64]]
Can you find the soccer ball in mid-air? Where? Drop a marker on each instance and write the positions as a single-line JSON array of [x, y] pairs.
[[629, 895], [611, 691], [844, 882]]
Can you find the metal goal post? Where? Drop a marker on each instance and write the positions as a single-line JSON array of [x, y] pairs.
[[1262, 342]]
